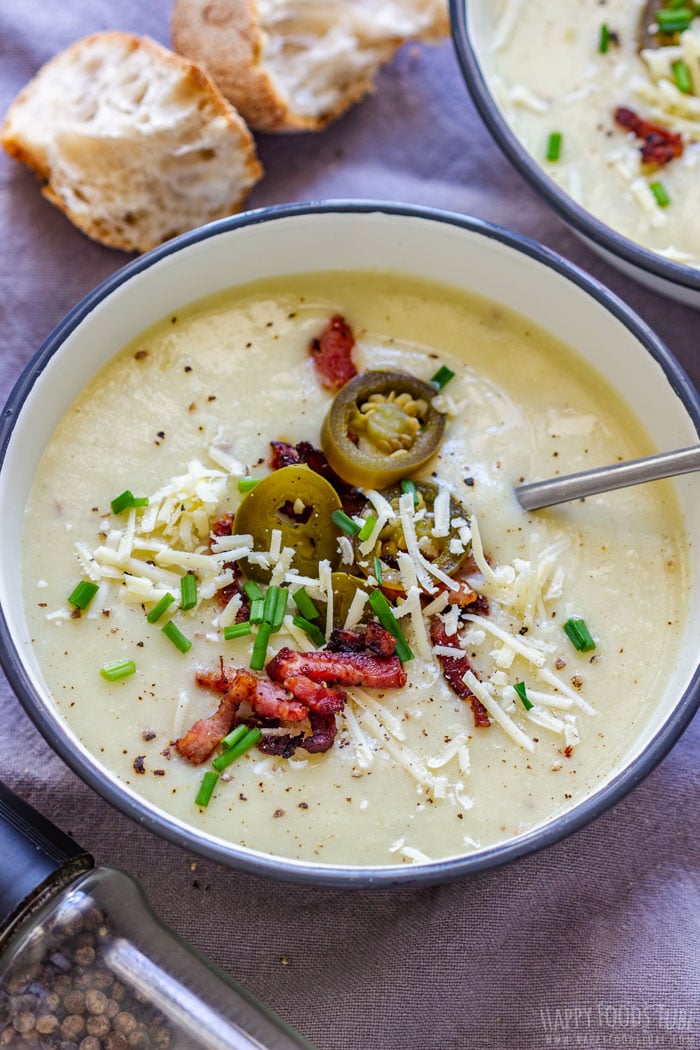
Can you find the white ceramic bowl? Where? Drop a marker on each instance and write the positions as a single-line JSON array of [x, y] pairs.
[[472, 34], [447, 248]]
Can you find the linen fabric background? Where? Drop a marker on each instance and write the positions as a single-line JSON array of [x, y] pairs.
[[593, 942]]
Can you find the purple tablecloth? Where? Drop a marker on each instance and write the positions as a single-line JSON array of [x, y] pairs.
[[593, 942]]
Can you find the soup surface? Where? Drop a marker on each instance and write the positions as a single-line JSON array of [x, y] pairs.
[[594, 61], [190, 407]]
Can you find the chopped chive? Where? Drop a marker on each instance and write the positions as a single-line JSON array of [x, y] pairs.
[[126, 500], [442, 376], [311, 630], [175, 635], [280, 608], [522, 693], [554, 145], [304, 604], [410, 486], [206, 789], [234, 736], [377, 565], [682, 76], [368, 528], [579, 634], [674, 20], [252, 590], [604, 39], [159, 608], [237, 630], [120, 669], [270, 602], [246, 484], [257, 659], [345, 522], [385, 615], [188, 591], [244, 744], [661, 193], [257, 608], [82, 594]]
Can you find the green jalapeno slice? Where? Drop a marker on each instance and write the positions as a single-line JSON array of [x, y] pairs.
[[435, 549], [381, 427], [299, 503]]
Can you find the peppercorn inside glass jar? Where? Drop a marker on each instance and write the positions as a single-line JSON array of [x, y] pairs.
[[94, 969]]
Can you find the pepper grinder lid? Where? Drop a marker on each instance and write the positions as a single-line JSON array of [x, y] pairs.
[[34, 854]]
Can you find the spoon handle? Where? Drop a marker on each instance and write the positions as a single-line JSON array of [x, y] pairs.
[[537, 494]]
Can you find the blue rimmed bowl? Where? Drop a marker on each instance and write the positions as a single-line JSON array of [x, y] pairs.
[[447, 248], [472, 32]]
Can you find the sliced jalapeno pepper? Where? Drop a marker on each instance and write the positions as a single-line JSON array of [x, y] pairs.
[[436, 549], [299, 503], [381, 427]]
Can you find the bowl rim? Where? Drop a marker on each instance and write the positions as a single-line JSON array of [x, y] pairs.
[[583, 221], [287, 869]]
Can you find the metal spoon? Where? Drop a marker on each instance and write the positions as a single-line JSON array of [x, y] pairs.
[[537, 494]]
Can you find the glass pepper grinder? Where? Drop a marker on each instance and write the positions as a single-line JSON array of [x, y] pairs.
[[86, 965]]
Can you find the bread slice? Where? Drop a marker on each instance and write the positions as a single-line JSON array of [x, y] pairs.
[[134, 143], [297, 64]]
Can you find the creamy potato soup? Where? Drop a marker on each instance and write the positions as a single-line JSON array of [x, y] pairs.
[[183, 418], [619, 82]]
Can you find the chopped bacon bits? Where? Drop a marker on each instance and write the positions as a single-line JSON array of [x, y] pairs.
[[659, 145], [286, 455], [372, 637], [454, 669], [355, 668], [332, 353]]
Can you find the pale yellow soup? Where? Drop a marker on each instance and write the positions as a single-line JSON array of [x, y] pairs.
[[409, 776]]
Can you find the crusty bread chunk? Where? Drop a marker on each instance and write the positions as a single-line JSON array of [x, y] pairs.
[[134, 143], [297, 64]]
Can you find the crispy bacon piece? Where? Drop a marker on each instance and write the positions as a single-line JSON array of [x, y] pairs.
[[453, 670], [659, 145], [372, 638], [271, 700], [199, 742], [286, 455], [332, 353], [338, 668], [280, 744], [318, 697], [323, 730], [223, 526]]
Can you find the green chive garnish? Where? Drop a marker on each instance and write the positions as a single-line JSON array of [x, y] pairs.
[[257, 608], [410, 486], [244, 744], [257, 659], [188, 591], [82, 594], [386, 617], [311, 630], [579, 634], [442, 376], [554, 145], [604, 39], [206, 789], [175, 635], [304, 604], [237, 630], [674, 20], [159, 608], [345, 522], [125, 500], [522, 693], [270, 602], [252, 590], [246, 484], [661, 193], [682, 76], [280, 608], [377, 569], [368, 527], [120, 669], [234, 736]]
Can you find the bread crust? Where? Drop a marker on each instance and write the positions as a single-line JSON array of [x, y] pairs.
[[226, 36], [40, 149]]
